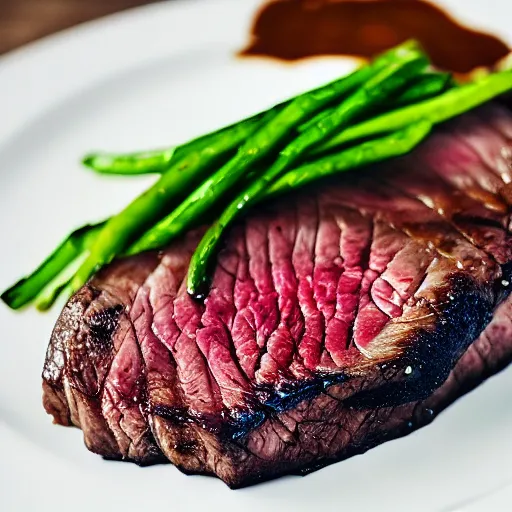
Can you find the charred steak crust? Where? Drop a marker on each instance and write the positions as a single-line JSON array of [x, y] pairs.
[[337, 319], [85, 342]]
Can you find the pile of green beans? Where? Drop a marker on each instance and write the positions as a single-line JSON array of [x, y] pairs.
[[382, 110]]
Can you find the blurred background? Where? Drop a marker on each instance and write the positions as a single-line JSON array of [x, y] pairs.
[[22, 21]]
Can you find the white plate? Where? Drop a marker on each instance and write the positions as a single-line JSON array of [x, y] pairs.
[[145, 78]]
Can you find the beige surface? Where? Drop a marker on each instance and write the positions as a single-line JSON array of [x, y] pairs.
[[22, 21]]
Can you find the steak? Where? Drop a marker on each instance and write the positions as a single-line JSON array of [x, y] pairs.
[[338, 318]]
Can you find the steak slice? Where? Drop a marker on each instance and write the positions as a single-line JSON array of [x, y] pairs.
[[83, 373], [337, 319]]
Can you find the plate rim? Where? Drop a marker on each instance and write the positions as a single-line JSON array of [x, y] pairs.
[[25, 64], [28, 87]]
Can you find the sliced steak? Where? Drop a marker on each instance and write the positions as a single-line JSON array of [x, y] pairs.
[[337, 319], [93, 354]]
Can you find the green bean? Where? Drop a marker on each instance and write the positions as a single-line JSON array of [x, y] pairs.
[[266, 155], [146, 162], [172, 187], [373, 92], [422, 87], [266, 140], [45, 300], [159, 160], [396, 144], [436, 110], [156, 161], [28, 288]]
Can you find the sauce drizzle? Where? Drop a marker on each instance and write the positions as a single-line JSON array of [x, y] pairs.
[[294, 29]]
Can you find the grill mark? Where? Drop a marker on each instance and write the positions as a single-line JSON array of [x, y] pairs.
[[100, 386]]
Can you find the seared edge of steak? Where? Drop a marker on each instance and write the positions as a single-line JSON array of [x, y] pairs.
[[86, 340], [72, 401], [325, 429], [330, 315]]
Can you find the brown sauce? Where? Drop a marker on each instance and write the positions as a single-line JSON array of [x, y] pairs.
[[294, 29]]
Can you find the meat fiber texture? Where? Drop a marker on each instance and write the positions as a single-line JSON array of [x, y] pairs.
[[338, 318]]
